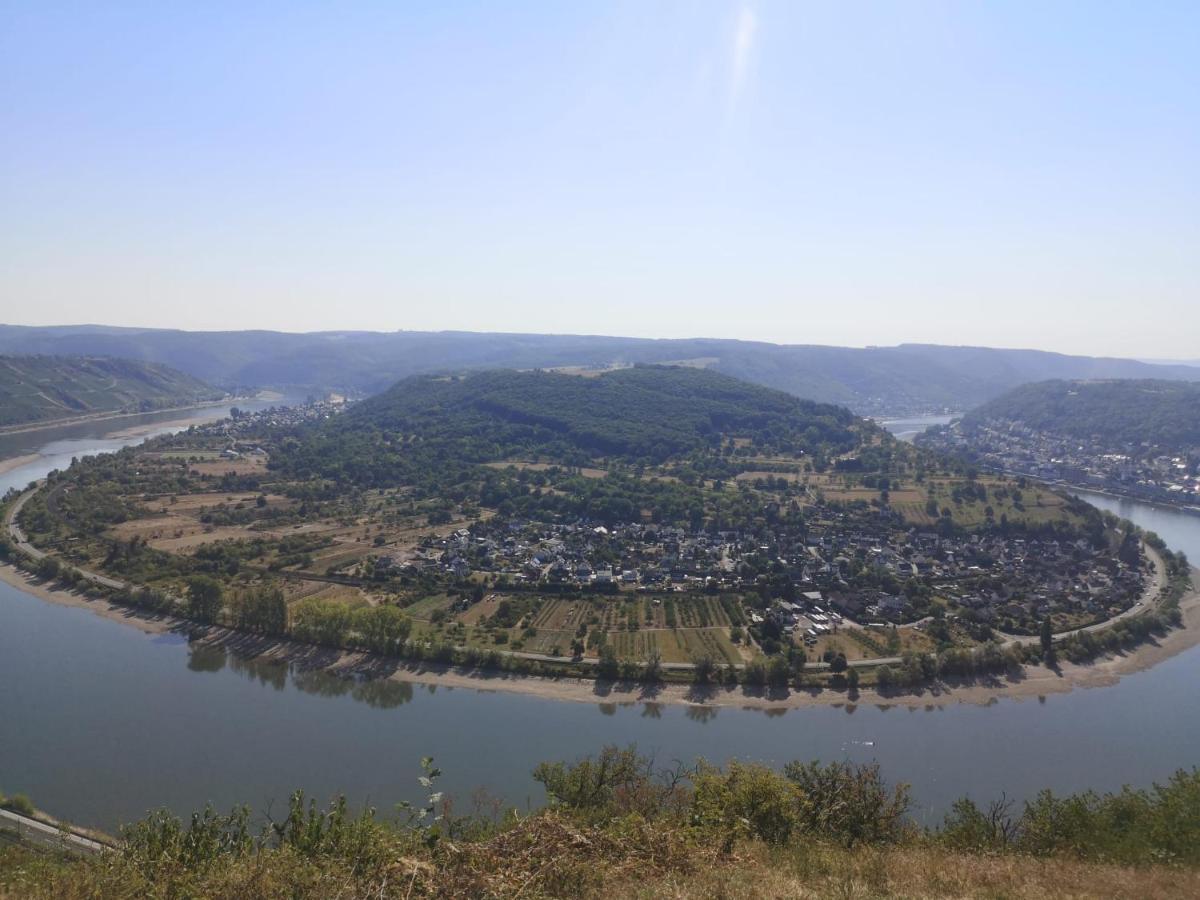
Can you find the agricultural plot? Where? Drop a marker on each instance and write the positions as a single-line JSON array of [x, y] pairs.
[[178, 533], [247, 465], [700, 612], [426, 606], [638, 646], [551, 642], [755, 476]]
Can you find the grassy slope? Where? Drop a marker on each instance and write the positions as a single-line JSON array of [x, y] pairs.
[[45, 388], [549, 857]]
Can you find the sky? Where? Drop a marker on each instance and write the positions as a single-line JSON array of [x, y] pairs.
[[1017, 174]]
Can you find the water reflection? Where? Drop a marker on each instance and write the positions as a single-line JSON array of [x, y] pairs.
[[203, 658], [271, 673], [375, 691]]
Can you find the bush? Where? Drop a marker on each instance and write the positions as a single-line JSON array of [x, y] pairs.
[[746, 801], [1128, 827], [851, 804], [614, 783], [17, 803]]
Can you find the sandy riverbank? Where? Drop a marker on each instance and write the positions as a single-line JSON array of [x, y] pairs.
[[23, 581], [109, 416], [15, 462], [1033, 682], [137, 431]]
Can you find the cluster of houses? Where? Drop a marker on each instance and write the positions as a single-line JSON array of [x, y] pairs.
[[855, 566], [247, 425], [1140, 471]]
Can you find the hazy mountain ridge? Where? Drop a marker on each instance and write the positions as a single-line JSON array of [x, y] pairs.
[[874, 380], [47, 388]]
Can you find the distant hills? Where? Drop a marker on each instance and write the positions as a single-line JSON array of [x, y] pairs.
[[908, 378], [46, 388], [645, 414], [1163, 413]]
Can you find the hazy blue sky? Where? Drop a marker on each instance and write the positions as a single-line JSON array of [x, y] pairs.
[[1011, 174]]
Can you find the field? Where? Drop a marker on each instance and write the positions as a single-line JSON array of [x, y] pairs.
[[634, 626], [676, 644]]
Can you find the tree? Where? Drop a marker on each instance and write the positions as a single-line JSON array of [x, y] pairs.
[[382, 629], [652, 672], [608, 668], [838, 664], [755, 673], [1047, 640], [704, 668], [852, 679], [778, 672], [204, 598]]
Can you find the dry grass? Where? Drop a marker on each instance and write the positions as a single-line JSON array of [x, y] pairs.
[[551, 856], [248, 465], [910, 872]]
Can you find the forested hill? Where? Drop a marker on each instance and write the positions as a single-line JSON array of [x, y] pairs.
[[644, 414], [1165, 413], [47, 388]]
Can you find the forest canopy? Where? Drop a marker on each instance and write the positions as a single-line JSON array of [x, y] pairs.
[[639, 415], [1165, 413]]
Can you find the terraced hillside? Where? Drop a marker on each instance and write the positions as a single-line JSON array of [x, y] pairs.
[[49, 388]]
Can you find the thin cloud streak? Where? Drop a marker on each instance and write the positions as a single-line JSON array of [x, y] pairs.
[[743, 47]]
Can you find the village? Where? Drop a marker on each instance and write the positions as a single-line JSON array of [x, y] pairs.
[[1140, 471], [844, 566]]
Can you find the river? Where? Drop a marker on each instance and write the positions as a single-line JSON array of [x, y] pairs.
[[908, 428], [100, 722]]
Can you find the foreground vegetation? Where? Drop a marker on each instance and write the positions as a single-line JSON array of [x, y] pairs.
[[617, 825]]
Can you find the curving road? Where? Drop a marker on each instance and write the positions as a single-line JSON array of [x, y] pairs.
[[23, 546]]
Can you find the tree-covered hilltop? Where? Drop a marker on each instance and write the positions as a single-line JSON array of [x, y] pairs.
[[641, 415], [46, 388], [1165, 414]]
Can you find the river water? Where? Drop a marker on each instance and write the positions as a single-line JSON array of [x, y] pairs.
[[100, 722], [908, 428]]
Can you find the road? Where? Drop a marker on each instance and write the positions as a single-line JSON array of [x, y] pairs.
[[23, 546], [39, 834]]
